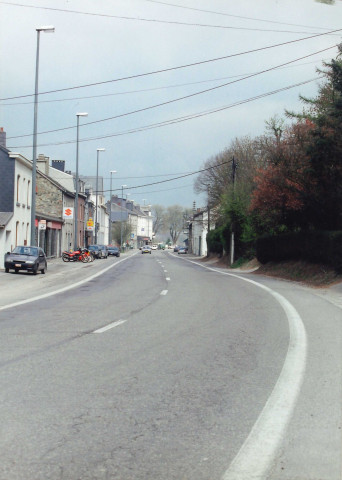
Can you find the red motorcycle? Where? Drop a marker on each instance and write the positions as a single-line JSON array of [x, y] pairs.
[[80, 255]]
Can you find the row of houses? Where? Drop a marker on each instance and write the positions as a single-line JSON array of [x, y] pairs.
[[55, 227]]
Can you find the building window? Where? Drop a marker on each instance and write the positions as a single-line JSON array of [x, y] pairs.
[[16, 233], [18, 189], [27, 233], [28, 193]]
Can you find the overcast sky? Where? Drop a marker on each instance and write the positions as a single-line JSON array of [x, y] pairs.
[[103, 42]]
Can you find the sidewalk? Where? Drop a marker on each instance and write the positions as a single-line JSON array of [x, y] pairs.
[[59, 275]]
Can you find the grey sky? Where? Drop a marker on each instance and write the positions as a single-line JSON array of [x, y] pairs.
[[126, 38]]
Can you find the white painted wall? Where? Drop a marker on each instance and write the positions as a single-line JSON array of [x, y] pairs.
[[199, 234], [18, 229]]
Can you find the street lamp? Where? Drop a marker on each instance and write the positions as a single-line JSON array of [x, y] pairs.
[[122, 187], [78, 115], [110, 210], [49, 29], [97, 188]]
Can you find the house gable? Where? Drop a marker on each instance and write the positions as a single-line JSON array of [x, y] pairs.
[[7, 169]]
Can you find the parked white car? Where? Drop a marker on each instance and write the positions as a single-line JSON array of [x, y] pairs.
[[154, 247]]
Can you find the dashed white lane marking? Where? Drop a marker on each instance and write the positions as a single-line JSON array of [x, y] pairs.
[[168, 279], [259, 450], [64, 289], [163, 292], [111, 325], [165, 271]]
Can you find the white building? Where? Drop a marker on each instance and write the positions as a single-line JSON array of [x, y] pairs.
[[15, 221], [199, 230], [139, 218]]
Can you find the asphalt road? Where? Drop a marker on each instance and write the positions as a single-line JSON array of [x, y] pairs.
[[159, 367]]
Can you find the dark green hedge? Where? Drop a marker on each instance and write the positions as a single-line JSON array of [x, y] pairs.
[[312, 246], [214, 243]]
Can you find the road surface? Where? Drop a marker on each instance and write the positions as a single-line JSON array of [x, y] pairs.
[[162, 367]]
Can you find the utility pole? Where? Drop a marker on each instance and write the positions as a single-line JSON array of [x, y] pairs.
[[208, 207], [234, 165]]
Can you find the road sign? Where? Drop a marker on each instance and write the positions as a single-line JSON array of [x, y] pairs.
[[68, 212], [42, 225], [90, 225]]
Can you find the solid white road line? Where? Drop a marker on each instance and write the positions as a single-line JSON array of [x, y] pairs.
[[111, 325], [259, 450], [64, 289]]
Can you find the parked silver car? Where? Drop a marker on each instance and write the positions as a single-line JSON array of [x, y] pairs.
[[104, 251]]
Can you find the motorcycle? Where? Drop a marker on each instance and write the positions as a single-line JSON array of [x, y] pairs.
[[80, 255]]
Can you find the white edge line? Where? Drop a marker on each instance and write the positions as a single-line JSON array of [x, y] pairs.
[[64, 289], [108, 327], [257, 453]]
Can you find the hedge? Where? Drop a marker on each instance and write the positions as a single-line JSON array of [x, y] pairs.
[[312, 246], [214, 241]]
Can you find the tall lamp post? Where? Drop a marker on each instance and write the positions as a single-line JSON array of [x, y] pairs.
[[49, 29], [122, 187], [97, 188], [78, 115], [110, 210]]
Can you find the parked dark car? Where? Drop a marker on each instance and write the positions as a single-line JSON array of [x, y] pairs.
[[176, 248], [95, 251], [31, 259], [182, 250], [113, 251]]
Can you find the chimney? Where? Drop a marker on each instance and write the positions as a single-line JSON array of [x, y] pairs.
[[43, 163], [58, 165], [2, 137]]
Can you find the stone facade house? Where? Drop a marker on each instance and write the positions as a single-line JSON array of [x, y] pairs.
[[52, 201]]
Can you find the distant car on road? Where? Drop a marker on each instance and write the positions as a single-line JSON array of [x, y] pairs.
[[182, 250], [31, 259], [113, 251], [154, 247], [146, 249]]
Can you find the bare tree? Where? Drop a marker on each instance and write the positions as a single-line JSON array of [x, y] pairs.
[[126, 232], [217, 180], [174, 220], [158, 212]]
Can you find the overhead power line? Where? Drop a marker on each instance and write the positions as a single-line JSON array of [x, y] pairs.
[[168, 102], [148, 20], [139, 75], [152, 89], [241, 17], [169, 179], [174, 120]]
